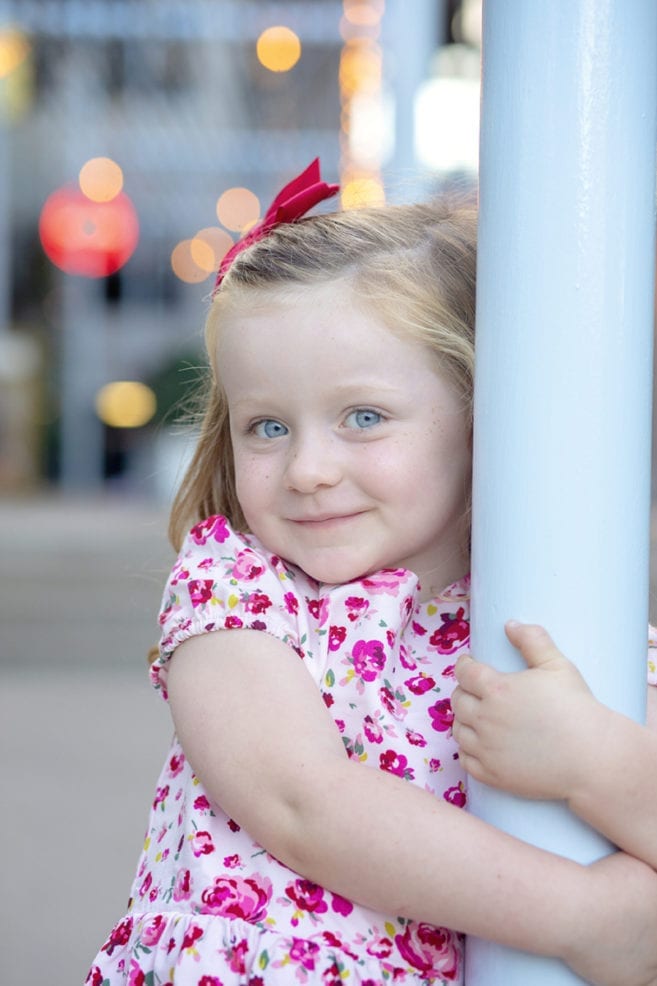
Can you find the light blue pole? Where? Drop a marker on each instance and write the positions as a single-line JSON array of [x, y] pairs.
[[564, 366]]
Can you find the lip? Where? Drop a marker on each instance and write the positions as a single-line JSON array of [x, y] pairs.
[[326, 519]]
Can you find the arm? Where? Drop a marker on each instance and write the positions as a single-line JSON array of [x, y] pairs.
[[541, 733], [377, 839]]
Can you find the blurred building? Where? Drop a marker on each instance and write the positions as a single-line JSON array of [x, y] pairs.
[[176, 93]]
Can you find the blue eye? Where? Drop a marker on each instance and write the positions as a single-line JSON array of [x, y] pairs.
[[363, 418], [269, 428]]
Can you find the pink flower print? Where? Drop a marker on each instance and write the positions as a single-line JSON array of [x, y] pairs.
[[387, 581], [192, 935], [200, 591], [210, 981], [441, 715], [307, 896], [161, 794], [396, 763], [136, 975], [454, 632], [236, 897], [232, 825], [235, 956], [356, 607], [391, 702], [341, 905], [201, 803], [176, 764], [380, 948], [319, 609], [304, 952], [120, 935], [434, 765], [213, 527], [202, 844], [332, 975], [418, 628], [369, 659], [405, 659], [146, 885], [448, 672], [152, 930], [328, 699], [257, 602], [182, 888], [291, 603], [233, 623], [373, 730], [420, 684], [434, 951], [94, 977], [336, 636], [456, 795], [232, 862], [415, 739], [247, 566]]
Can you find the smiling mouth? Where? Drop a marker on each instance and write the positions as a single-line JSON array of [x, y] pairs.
[[328, 520]]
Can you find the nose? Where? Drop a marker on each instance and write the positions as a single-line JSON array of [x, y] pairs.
[[313, 462]]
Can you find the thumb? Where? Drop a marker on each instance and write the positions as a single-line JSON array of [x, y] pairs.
[[534, 643]]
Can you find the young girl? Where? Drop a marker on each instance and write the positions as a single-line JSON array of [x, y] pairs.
[[308, 826]]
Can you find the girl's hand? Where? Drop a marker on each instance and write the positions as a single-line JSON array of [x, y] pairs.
[[529, 732]]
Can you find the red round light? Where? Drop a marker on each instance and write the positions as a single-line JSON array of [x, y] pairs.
[[92, 239]]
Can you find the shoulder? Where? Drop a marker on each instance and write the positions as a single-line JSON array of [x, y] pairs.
[[225, 579]]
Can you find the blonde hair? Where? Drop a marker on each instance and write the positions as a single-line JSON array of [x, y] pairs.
[[413, 266]]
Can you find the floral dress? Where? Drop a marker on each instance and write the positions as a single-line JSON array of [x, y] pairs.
[[209, 906]]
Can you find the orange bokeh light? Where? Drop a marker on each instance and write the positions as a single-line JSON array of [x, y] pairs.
[[209, 247], [184, 265], [14, 49], [101, 179], [92, 239], [237, 209], [278, 49]]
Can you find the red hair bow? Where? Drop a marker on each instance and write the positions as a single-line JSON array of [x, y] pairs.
[[292, 202]]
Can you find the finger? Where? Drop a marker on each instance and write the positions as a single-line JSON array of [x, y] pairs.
[[466, 738], [464, 706], [473, 676], [534, 643]]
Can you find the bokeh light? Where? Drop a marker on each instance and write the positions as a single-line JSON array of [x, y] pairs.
[[101, 179], [364, 13], [14, 49], [278, 49], [237, 209], [91, 239], [358, 193], [125, 404], [184, 265], [209, 247]]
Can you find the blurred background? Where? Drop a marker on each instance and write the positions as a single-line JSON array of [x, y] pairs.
[[138, 140]]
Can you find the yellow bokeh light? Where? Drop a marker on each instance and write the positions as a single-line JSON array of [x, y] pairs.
[[238, 209], [278, 49], [358, 193], [125, 404], [361, 67], [101, 179], [208, 248], [184, 266], [14, 49]]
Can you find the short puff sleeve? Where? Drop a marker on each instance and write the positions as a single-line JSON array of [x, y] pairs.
[[225, 580]]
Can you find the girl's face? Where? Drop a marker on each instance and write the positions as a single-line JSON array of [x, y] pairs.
[[352, 453]]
